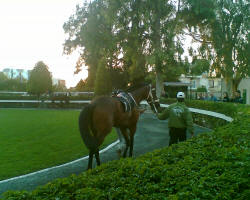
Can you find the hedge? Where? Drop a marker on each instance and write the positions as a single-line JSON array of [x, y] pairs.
[[213, 165], [229, 109]]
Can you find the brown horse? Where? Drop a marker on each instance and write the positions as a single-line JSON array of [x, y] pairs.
[[97, 119]]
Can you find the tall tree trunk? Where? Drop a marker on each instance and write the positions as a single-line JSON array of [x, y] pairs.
[[157, 48], [236, 82], [229, 85], [159, 83]]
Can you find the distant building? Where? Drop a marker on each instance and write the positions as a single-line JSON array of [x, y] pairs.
[[212, 84], [56, 81], [15, 73], [244, 87], [172, 88]]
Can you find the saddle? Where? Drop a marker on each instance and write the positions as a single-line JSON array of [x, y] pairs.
[[126, 99]]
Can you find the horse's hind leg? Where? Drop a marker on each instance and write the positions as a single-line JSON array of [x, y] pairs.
[[122, 144], [125, 135], [97, 157], [131, 145], [90, 159]]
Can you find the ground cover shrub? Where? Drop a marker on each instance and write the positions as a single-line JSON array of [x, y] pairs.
[[213, 165], [18, 97], [31, 140], [19, 105]]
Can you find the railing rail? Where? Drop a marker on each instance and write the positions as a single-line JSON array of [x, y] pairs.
[[195, 110]]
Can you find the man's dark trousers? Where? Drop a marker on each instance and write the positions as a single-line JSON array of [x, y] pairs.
[[177, 134]]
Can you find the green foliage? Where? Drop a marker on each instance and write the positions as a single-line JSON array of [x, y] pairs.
[[81, 86], [59, 88], [130, 35], [12, 84], [199, 66], [3, 77], [40, 80], [213, 165], [229, 109], [103, 80], [221, 27], [202, 89]]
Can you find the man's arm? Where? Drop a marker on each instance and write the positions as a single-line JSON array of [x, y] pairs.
[[164, 114], [189, 122]]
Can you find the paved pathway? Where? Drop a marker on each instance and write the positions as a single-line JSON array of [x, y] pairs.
[[151, 134]]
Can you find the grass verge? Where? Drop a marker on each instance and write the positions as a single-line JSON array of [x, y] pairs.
[[32, 140]]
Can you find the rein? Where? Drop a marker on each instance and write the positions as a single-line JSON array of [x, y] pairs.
[[152, 101], [133, 99]]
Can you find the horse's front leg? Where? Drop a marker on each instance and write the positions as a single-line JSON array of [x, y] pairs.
[[131, 145]]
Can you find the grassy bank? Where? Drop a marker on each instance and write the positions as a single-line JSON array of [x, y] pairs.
[[31, 140]]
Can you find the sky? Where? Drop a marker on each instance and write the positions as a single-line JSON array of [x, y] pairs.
[[32, 31]]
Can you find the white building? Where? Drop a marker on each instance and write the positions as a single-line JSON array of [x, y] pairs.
[[15, 73], [244, 87], [213, 85], [216, 85], [56, 81]]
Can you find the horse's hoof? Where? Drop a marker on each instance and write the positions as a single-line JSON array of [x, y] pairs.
[[119, 153]]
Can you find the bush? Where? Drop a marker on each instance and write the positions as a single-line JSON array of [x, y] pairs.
[[229, 109], [213, 165]]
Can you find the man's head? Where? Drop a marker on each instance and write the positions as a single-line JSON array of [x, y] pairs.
[[180, 96], [238, 93]]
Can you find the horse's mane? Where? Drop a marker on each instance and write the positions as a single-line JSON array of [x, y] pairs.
[[135, 87]]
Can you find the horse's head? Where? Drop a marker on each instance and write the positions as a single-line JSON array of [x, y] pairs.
[[146, 92], [153, 100]]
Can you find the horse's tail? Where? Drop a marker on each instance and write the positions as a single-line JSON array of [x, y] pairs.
[[86, 127]]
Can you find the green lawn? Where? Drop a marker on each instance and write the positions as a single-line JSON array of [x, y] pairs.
[[31, 140]]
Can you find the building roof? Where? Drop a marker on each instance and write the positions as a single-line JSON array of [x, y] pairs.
[[176, 84]]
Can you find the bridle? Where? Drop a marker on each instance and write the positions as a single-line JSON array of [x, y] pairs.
[[150, 99]]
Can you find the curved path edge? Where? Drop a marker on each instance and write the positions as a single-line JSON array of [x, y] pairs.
[[6, 185]]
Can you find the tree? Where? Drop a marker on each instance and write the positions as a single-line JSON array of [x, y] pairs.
[[103, 84], [12, 84], [3, 79], [199, 66], [89, 31], [59, 88], [81, 86], [134, 36], [222, 28], [20, 76], [40, 80]]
